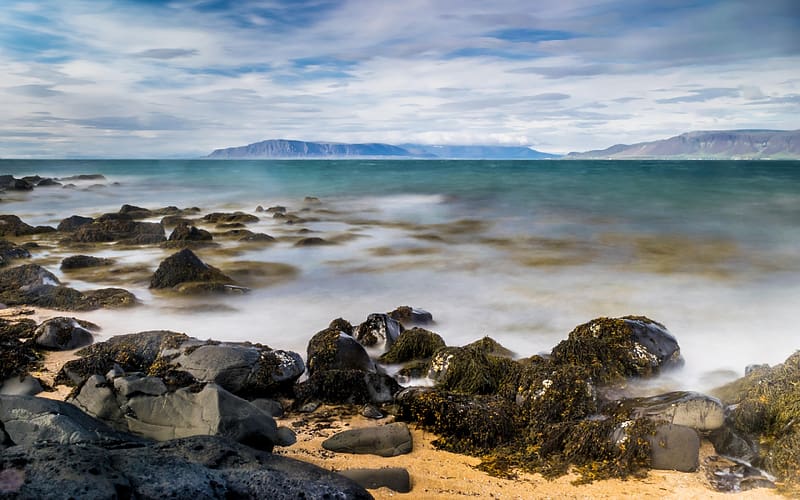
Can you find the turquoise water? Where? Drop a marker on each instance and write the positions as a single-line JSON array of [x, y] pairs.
[[519, 250]]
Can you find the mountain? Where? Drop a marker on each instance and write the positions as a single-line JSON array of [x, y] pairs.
[[707, 145], [281, 148]]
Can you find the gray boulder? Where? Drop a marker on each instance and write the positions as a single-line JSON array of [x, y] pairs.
[[379, 331], [21, 386], [690, 409], [388, 440], [192, 468], [394, 478], [675, 447], [62, 334], [137, 384]]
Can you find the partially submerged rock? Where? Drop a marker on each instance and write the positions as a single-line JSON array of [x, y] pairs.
[[411, 316], [83, 261], [11, 225], [62, 334], [379, 331], [184, 268], [9, 251]]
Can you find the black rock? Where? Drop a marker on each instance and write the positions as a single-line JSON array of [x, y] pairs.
[[394, 478], [72, 223], [83, 261], [185, 232], [11, 225], [379, 331], [410, 316], [184, 267], [62, 334], [388, 440], [332, 349]]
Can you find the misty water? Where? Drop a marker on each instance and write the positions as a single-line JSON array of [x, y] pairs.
[[522, 251]]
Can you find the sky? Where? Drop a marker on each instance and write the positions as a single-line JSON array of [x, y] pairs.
[[180, 78]]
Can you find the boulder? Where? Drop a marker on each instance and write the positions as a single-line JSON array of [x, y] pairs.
[[394, 478], [62, 334], [223, 218], [346, 387], [29, 420], [11, 225], [332, 349], [675, 447], [276, 209], [269, 406], [341, 325], [185, 267], [733, 476], [312, 241], [120, 228], [416, 343], [468, 370], [135, 212], [185, 232], [98, 399], [83, 261], [690, 409], [618, 348], [9, 251], [10, 182], [388, 440], [379, 331], [25, 385], [73, 223], [411, 316], [138, 384]]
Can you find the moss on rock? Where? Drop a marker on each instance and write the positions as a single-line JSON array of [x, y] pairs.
[[416, 343]]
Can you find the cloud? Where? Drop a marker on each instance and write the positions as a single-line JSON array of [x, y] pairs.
[[35, 90], [701, 95], [167, 53]]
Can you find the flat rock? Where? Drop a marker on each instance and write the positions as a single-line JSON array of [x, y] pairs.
[[690, 409], [675, 447], [386, 441], [394, 478]]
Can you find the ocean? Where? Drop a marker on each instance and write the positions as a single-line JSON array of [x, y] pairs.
[[522, 251]]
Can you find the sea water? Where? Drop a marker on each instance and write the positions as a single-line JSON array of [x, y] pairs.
[[522, 251]]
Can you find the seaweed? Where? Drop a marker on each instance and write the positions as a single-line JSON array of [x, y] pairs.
[[416, 343]]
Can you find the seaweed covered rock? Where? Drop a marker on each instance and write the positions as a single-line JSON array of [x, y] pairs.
[[120, 228], [332, 349], [72, 223], [9, 251], [135, 212], [617, 348], [186, 232], [690, 409], [83, 261], [228, 218], [346, 387], [416, 343], [11, 225], [379, 331], [17, 357], [470, 369], [672, 447], [134, 352], [765, 410], [62, 334], [185, 267], [410, 316], [207, 467]]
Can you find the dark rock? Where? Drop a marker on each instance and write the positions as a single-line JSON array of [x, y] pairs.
[[313, 241], [285, 437], [48, 182], [62, 334], [185, 232], [727, 442], [311, 200], [28, 420], [223, 218], [11, 225], [21, 386], [16, 357], [120, 228], [84, 177], [617, 348], [548, 394], [83, 261], [258, 238], [394, 478], [9, 251], [388, 440], [191, 468], [416, 343], [269, 406], [175, 220], [334, 350], [342, 325], [73, 223], [733, 476], [309, 407], [690, 409], [675, 447], [370, 411], [230, 225], [469, 369], [134, 385], [379, 331], [9, 182], [135, 212], [17, 281], [259, 209], [490, 346], [277, 209], [186, 267], [410, 316]]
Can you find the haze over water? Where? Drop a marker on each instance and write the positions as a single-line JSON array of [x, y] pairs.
[[521, 251]]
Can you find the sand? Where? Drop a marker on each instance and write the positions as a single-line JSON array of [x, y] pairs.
[[437, 474]]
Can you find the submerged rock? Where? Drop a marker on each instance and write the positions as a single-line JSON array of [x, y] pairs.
[[227, 218], [11, 225], [73, 223], [410, 316], [185, 267], [690, 409], [83, 261], [120, 228], [9, 251], [332, 349], [388, 440], [186, 232], [379, 331]]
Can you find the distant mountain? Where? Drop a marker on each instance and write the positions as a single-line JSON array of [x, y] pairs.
[[707, 145], [281, 148]]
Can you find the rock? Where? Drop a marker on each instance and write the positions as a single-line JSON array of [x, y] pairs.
[[309, 407], [9, 182], [120, 228], [490, 346], [379, 331], [185, 232], [202, 467], [342, 325], [134, 352], [258, 238], [394, 478], [416, 343], [333, 350], [73, 223], [259, 209], [312, 241], [11, 225], [135, 212], [548, 394], [277, 209], [28, 420], [48, 182], [617, 348], [410, 316], [21, 386], [17, 357], [227, 218], [269, 406], [727, 442], [186, 267], [134, 385], [98, 399], [83, 261], [9, 251], [690, 409], [388, 440], [467, 370], [675, 447], [733, 476], [211, 411], [84, 177], [17, 281], [311, 200], [286, 437], [370, 411], [115, 372], [174, 220], [62, 334]]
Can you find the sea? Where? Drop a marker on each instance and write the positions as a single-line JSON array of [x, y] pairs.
[[521, 251]]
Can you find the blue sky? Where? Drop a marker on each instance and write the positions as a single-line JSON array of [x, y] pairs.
[[113, 78]]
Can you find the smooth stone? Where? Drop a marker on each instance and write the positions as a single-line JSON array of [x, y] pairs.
[[690, 409], [269, 406], [370, 411], [132, 385], [394, 478], [286, 437], [388, 440], [25, 386], [226, 365], [675, 447], [97, 399]]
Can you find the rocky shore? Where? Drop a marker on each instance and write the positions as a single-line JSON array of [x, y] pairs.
[[161, 413]]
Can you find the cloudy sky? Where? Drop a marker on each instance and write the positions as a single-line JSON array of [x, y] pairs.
[[150, 78]]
